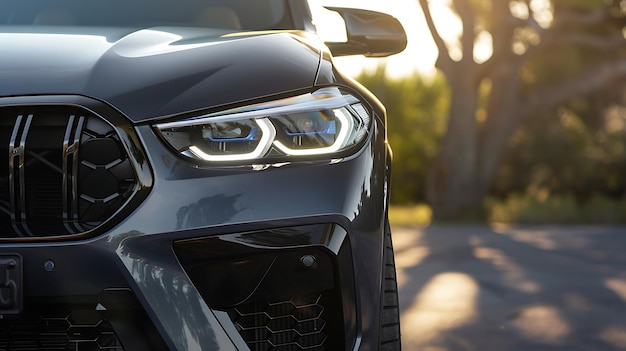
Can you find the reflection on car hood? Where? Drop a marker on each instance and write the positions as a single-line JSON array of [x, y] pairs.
[[154, 72]]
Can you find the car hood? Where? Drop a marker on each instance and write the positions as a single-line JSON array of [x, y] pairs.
[[155, 72]]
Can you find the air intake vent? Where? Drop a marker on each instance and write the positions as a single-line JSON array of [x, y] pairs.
[[293, 325], [63, 171], [58, 331]]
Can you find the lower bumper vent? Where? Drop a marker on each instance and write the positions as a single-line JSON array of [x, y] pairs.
[[63, 171], [58, 331], [294, 325]]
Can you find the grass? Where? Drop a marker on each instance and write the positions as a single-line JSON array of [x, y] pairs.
[[556, 209], [413, 215], [527, 209]]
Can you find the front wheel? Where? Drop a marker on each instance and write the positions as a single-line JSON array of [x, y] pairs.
[[390, 309]]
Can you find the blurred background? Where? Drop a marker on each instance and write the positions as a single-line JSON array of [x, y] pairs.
[[507, 111]]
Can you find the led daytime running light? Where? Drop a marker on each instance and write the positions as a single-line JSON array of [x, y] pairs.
[[323, 122]]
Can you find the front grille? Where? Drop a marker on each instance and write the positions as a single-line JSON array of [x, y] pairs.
[[61, 330], [274, 299], [293, 325], [63, 171]]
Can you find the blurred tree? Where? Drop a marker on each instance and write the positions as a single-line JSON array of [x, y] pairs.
[[576, 150], [544, 54]]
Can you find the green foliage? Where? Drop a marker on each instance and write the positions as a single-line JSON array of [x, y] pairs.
[[559, 164], [412, 215], [580, 4], [417, 110], [563, 59], [577, 150], [528, 208], [567, 163], [548, 69], [537, 208]]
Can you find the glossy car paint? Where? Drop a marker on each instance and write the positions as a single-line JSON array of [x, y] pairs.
[[151, 75], [156, 72]]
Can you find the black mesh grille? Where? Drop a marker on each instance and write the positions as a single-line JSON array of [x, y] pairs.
[[60, 330], [293, 325], [63, 171]]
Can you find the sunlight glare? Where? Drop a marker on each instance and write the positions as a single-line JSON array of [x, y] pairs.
[[543, 324], [483, 48], [618, 286], [519, 9], [447, 301], [407, 259], [406, 238], [542, 12], [329, 25], [409, 252], [514, 275], [447, 22], [420, 54], [614, 336]]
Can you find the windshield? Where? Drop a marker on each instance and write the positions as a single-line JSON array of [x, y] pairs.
[[231, 14]]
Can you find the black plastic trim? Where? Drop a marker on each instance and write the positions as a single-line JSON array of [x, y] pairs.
[[128, 138]]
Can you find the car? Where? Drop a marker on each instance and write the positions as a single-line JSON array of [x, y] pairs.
[[192, 175]]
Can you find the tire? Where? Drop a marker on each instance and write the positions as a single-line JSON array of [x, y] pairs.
[[390, 309]]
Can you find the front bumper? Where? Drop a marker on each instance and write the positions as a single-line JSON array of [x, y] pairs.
[[164, 277]]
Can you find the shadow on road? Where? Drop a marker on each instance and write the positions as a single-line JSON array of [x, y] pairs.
[[512, 288]]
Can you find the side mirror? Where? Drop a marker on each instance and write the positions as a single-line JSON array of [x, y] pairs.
[[370, 33]]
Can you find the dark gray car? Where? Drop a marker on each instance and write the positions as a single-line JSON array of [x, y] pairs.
[[191, 175]]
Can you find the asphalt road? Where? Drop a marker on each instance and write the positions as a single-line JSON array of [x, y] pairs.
[[512, 288]]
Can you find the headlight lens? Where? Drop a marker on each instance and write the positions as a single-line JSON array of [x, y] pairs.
[[327, 121]]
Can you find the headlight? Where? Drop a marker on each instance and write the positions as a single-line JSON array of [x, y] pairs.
[[325, 122]]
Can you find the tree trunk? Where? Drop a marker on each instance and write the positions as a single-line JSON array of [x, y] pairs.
[[451, 180], [504, 114]]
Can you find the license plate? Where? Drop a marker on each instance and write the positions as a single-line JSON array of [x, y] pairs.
[[11, 295]]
